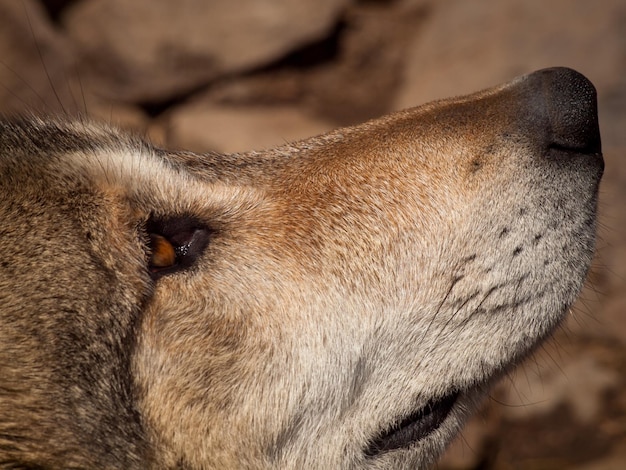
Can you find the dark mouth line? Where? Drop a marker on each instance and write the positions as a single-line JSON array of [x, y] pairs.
[[412, 428]]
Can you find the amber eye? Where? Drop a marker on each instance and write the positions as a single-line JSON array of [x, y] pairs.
[[175, 244], [163, 253]]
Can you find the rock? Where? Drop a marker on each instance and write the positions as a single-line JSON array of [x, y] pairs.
[[467, 46], [34, 62], [468, 450], [144, 51], [351, 77], [37, 72], [616, 460], [232, 129], [540, 386], [600, 312], [117, 114]]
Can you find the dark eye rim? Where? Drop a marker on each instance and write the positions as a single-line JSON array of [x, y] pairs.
[[188, 236]]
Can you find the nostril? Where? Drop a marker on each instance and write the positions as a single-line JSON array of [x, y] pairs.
[[591, 148]]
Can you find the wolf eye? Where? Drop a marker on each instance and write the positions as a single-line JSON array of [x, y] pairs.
[[175, 244]]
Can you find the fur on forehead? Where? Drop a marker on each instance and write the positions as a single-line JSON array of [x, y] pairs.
[[119, 164]]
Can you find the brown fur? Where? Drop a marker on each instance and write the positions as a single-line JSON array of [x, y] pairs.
[[330, 289]]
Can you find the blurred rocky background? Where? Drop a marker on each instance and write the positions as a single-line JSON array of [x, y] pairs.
[[232, 75]]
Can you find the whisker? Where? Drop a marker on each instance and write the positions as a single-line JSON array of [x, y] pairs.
[[43, 63]]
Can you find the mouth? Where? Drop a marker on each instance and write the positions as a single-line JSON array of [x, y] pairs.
[[407, 430]]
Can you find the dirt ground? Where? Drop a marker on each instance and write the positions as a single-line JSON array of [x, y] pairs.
[[288, 72]]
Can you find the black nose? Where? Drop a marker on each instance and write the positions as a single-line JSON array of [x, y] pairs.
[[569, 100]]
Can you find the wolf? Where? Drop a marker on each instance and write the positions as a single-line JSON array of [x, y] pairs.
[[340, 302]]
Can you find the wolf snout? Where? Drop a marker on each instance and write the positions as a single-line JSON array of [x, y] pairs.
[[566, 101]]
